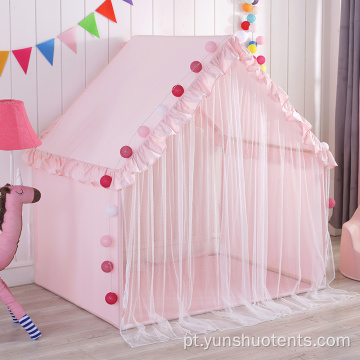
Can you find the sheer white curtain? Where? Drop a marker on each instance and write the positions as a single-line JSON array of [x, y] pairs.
[[229, 227]]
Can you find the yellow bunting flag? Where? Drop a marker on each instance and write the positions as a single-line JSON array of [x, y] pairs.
[[3, 57]]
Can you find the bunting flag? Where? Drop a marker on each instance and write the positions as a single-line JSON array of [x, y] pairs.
[[107, 10], [47, 49], [69, 39], [3, 57], [23, 57], [89, 24]]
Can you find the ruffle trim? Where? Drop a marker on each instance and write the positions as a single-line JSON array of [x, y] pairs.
[[155, 144]]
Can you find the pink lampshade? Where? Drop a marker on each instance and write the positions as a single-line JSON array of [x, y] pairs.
[[16, 132]]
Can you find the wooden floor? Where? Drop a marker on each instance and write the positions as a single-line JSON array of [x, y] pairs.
[[72, 333]]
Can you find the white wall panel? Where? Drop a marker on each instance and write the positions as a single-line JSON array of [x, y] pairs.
[[5, 45], [205, 17], [224, 17], [313, 61], [142, 18], [279, 37], [163, 17], [5, 80], [48, 77], [24, 87], [119, 32], [296, 51], [184, 17], [73, 65], [97, 50]]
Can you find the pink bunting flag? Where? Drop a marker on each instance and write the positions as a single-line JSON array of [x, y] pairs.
[[69, 39], [23, 57]]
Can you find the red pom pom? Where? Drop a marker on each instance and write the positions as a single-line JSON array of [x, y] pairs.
[[177, 90], [332, 203], [196, 66], [245, 25], [126, 151], [111, 298], [105, 181], [107, 266]]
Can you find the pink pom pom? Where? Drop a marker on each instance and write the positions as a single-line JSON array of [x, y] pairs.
[[126, 152], [143, 131], [105, 181], [260, 40], [332, 203], [111, 298], [106, 241], [196, 66], [253, 28], [261, 59], [107, 266], [177, 90], [210, 47]]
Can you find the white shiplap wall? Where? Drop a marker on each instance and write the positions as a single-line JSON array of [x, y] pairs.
[[301, 53]]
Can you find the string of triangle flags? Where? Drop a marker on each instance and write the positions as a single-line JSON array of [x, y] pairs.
[[67, 37]]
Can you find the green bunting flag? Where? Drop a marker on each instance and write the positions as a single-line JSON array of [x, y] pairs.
[[89, 24]]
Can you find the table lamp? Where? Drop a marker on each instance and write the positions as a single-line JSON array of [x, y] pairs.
[[16, 132]]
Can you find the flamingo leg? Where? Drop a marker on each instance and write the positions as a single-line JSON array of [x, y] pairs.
[[8, 299]]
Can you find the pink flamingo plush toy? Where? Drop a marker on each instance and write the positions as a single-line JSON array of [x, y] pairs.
[[11, 201]]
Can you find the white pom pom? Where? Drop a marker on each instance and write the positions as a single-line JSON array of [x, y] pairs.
[[161, 109], [111, 210], [325, 145], [242, 36]]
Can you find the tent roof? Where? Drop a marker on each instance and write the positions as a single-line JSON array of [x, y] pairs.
[[84, 143]]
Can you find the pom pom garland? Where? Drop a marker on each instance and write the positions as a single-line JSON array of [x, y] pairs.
[[332, 203], [252, 48], [178, 90], [325, 145], [255, 2], [111, 298], [253, 27], [261, 59], [252, 42], [107, 266], [111, 210], [126, 152], [106, 241], [143, 131], [242, 36], [245, 25], [196, 66], [211, 47], [251, 18], [105, 181], [247, 7], [260, 40], [263, 67], [161, 109]]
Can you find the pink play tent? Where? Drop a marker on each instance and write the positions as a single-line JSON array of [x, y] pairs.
[[221, 211]]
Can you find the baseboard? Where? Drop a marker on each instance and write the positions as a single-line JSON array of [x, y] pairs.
[[19, 275], [333, 231]]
